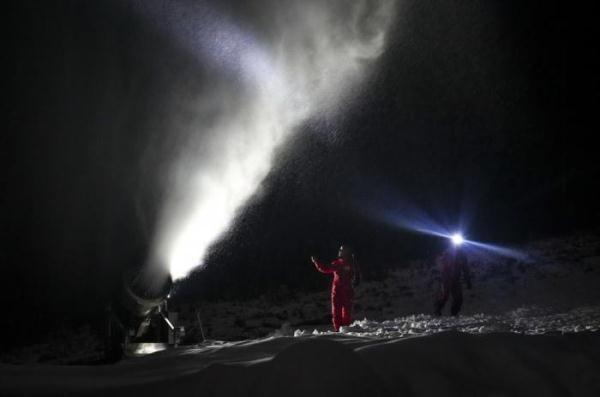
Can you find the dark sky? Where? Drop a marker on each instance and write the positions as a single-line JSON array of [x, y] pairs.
[[481, 112]]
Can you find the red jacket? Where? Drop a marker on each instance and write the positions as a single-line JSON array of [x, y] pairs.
[[345, 273], [453, 264]]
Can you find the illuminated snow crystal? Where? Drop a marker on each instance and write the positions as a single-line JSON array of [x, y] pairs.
[[300, 66]]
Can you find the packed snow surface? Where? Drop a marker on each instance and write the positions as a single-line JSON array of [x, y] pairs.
[[529, 351]]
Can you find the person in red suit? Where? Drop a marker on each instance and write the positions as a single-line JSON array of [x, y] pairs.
[[452, 264], [346, 276]]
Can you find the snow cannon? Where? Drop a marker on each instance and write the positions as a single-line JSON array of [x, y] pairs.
[[138, 319], [142, 293]]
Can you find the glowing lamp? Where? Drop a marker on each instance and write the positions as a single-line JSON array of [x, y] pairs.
[[457, 239]]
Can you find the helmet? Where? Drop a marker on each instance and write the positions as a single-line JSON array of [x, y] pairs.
[[345, 250]]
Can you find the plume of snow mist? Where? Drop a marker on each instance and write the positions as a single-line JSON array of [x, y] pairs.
[[294, 61]]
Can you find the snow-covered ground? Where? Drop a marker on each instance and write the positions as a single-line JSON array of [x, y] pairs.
[[529, 327], [528, 321], [554, 275], [450, 363]]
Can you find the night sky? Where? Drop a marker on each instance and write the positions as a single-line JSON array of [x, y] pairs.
[[482, 114]]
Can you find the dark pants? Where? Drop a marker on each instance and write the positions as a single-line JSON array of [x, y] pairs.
[[448, 288]]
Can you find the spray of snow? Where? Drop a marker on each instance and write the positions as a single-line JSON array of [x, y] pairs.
[[302, 63]]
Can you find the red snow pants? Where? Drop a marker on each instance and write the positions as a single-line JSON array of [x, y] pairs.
[[341, 306]]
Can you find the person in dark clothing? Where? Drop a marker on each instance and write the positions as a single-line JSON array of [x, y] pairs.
[[346, 276], [452, 264]]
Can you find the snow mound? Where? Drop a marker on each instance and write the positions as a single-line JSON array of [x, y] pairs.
[[451, 363], [526, 320], [495, 364], [318, 367]]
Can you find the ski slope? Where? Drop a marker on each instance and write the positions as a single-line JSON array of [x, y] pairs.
[[528, 329], [522, 353]]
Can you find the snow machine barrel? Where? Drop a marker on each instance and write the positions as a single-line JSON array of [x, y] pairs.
[[141, 293], [140, 298]]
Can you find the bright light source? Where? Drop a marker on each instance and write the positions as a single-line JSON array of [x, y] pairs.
[[141, 349], [457, 239]]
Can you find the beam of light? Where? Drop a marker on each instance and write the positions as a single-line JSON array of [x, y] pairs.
[[404, 215], [486, 250], [476, 248], [310, 56]]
